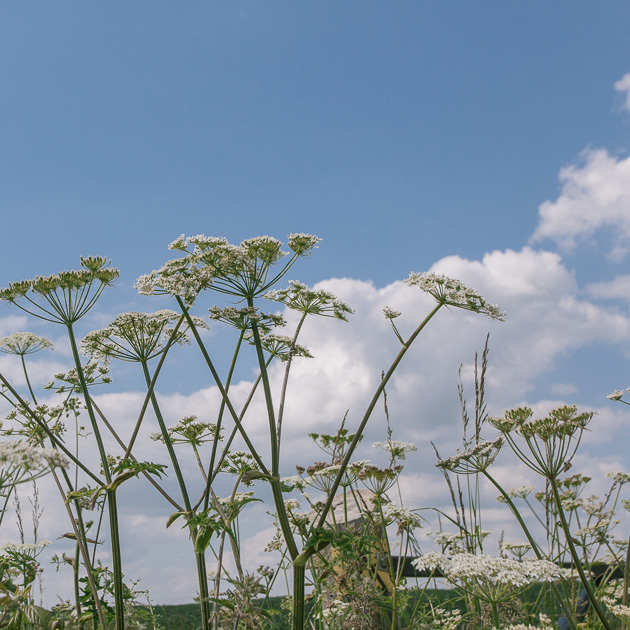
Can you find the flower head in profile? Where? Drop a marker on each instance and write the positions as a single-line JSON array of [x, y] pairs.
[[301, 298], [190, 430], [23, 343], [280, 347], [242, 318], [390, 313], [27, 462], [451, 292], [302, 244], [244, 271], [396, 448], [474, 459], [405, 518], [618, 394], [66, 296], [136, 336], [551, 441]]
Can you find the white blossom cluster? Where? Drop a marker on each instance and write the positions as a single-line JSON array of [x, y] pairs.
[[473, 459], [135, 336], [443, 619], [618, 394], [25, 547], [22, 343], [452, 292], [522, 492], [490, 569], [237, 497], [402, 515], [334, 610], [23, 455], [214, 262], [396, 448], [300, 297]]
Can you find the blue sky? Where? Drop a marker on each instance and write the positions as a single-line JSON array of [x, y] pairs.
[[439, 127], [485, 140]]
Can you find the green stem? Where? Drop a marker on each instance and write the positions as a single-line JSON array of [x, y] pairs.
[[220, 387], [586, 583], [368, 413], [151, 388], [202, 573], [561, 600], [86, 558], [111, 494], [28, 382], [495, 614], [55, 441], [271, 416], [285, 381], [299, 578]]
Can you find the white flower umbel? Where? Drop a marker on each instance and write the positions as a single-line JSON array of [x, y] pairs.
[[405, 518], [20, 462], [473, 460], [137, 336], [492, 570], [22, 343], [396, 448], [452, 292]]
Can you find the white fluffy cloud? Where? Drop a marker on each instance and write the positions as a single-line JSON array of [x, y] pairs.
[[623, 86], [616, 289], [595, 195], [548, 317]]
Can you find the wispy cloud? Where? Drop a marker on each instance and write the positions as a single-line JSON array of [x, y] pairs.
[[623, 86]]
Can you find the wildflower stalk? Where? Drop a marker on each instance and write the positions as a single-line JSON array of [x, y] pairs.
[[55, 441], [285, 381], [276, 490], [200, 558], [221, 388], [212, 471], [626, 576], [114, 530], [299, 563], [586, 583], [534, 545], [80, 540]]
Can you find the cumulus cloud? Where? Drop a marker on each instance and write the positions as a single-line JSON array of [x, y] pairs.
[[623, 86], [616, 289], [595, 195], [548, 317]]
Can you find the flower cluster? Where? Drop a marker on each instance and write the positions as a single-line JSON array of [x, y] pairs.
[[396, 448], [551, 441], [211, 262], [522, 492], [189, 430], [22, 343], [299, 297], [21, 454], [136, 336], [68, 294], [281, 347], [242, 318], [405, 518], [490, 569], [451, 292], [474, 459]]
